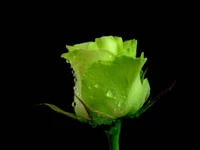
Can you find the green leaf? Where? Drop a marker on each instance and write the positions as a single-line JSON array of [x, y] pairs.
[[60, 111], [152, 101]]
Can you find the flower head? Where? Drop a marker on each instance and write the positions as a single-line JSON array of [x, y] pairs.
[[110, 83]]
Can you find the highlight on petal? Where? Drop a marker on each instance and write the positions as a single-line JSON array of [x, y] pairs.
[[108, 43], [93, 46]]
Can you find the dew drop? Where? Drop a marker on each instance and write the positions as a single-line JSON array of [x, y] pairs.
[[111, 93], [119, 105], [75, 89], [73, 104], [96, 85]]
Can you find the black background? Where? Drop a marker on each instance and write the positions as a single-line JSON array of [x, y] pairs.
[[158, 36]]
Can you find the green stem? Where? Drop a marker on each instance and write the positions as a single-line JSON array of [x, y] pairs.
[[113, 134]]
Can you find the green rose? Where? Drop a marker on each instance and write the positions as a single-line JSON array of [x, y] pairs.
[[109, 81]]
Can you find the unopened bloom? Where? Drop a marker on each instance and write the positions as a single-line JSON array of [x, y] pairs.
[[109, 83]]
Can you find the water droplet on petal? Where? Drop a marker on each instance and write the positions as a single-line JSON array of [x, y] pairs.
[[111, 93], [119, 105], [73, 104], [96, 85]]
